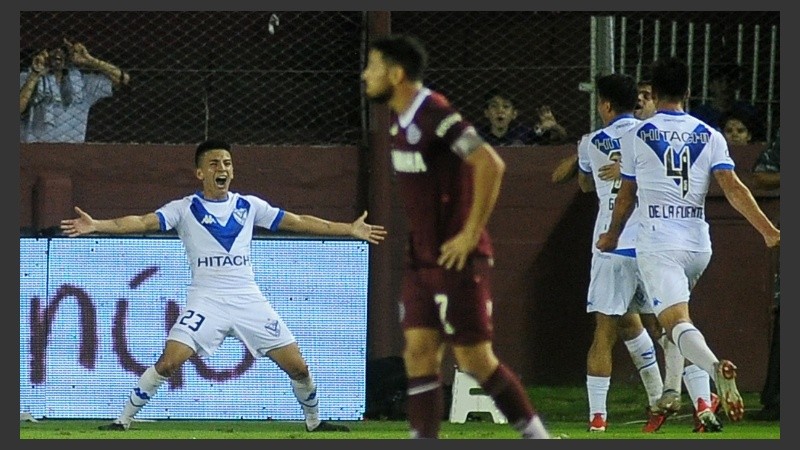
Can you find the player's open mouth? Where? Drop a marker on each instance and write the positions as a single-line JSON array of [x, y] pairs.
[[221, 180]]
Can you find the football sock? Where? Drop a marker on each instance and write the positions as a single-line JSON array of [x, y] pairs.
[[511, 399], [597, 390], [673, 364], [424, 406], [697, 384], [145, 389], [692, 345], [643, 354], [305, 391]]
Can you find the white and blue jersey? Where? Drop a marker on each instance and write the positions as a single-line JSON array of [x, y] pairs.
[[223, 298], [217, 236], [671, 156], [597, 149], [614, 284]]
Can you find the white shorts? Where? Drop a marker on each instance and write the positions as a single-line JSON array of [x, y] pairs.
[[615, 286], [670, 275], [210, 316]]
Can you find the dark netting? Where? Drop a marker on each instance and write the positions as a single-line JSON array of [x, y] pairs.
[[292, 78], [254, 77], [541, 58]]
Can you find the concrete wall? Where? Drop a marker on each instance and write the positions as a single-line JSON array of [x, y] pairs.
[[541, 231]]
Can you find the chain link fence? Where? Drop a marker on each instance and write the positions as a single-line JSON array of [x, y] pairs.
[[541, 58], [292, 78], [250, 77]]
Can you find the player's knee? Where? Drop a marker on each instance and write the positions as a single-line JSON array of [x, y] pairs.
[[421, 359], [627, 335], [605, 333], [655, 335], [167, 367], [630, 332], [417, 352], [298, 371]]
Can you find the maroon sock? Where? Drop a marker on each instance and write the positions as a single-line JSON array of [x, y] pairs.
[[424, 406], [509, 396]]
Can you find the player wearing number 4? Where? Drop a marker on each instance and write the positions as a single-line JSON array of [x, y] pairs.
[[223, 299], [667, 164]]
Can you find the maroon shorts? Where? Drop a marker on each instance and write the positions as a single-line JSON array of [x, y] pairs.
[[458, 303]]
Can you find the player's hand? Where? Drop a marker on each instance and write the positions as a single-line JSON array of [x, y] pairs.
[[566, 169], [454, 253], [84, 224], [773, 239], [373, 234], [606, 242], [609, 171]]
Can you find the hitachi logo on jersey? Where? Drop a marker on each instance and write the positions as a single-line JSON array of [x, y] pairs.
[[653, 134], [606, 144], [223, 261], [207, 220], [408, 162], [448, 122]]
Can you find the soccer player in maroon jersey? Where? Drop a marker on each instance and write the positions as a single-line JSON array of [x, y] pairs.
[[449, 179]]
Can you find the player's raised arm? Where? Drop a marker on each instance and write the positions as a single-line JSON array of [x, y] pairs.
[[308, 224], [85, 224]]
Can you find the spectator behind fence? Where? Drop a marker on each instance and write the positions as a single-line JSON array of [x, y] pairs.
[[56, 93], [767, 175], [723, 84], [502, 130], [737, 127]]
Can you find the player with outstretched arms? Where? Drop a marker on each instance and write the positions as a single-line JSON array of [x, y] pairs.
[[223, 299]]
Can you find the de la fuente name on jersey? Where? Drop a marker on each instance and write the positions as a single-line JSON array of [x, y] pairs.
[[674, 212]]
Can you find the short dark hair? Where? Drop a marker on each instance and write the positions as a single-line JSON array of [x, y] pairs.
[[670, 78], [619, 90], [207, 146], [404, 50], [742, 115], [498, 92]]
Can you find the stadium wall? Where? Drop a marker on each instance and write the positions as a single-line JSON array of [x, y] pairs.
[[541, 232]]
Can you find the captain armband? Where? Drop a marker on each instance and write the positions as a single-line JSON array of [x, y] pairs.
[[468, 142]]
